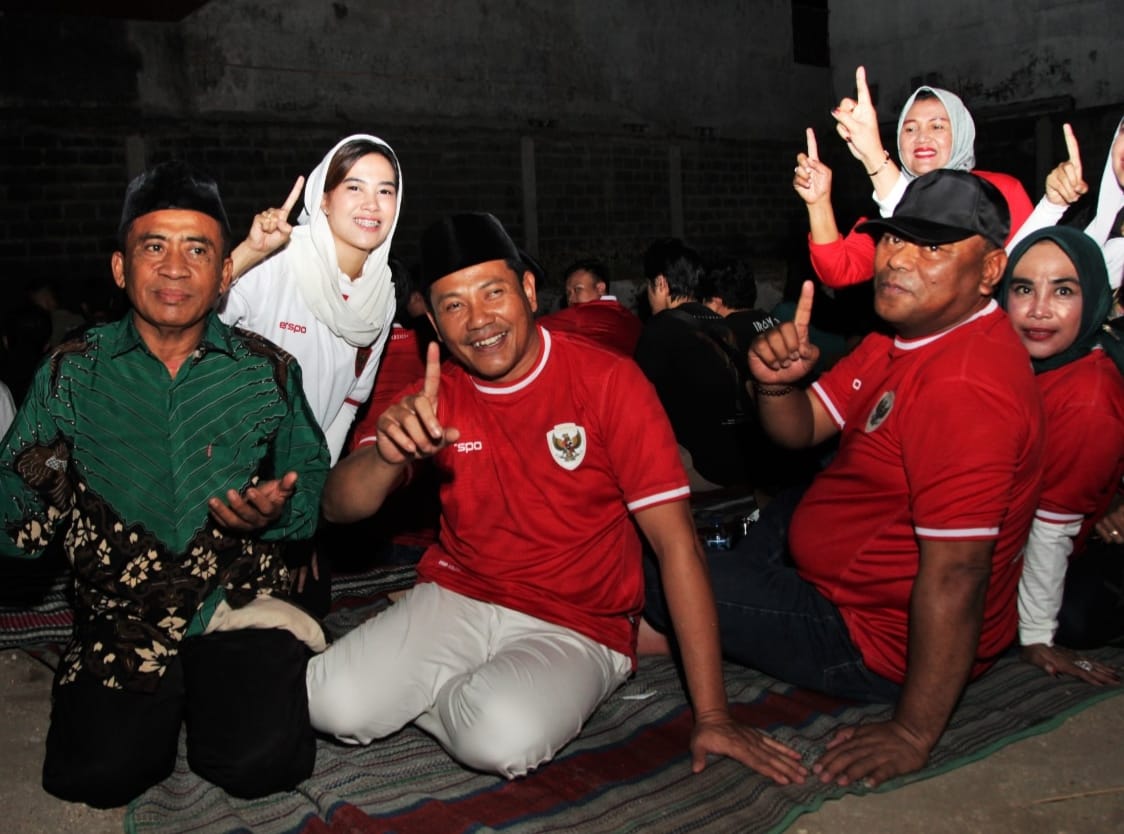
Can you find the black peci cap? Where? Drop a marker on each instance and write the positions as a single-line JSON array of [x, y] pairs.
[[459, 241], [172, 185]]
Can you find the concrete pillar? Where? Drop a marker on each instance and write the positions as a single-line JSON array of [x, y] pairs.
[[530, 196], [675, 188]]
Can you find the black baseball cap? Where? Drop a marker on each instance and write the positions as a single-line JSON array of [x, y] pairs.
[[945, 206]]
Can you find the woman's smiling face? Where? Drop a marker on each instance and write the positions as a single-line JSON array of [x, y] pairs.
[[1044, 300], [926, 138]]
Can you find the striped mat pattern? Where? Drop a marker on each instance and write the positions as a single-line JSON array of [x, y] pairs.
[[34, 602], [627, 772]]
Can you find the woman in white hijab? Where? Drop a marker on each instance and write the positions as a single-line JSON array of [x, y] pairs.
[[327, 296], [1066, 184], [935, 130]]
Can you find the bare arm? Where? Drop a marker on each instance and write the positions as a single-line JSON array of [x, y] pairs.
[[671, 532], [407, 431], [813, 183], [945, 618], [359, 484]]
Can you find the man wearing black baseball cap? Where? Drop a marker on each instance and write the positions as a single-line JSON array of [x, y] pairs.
[[905, 549], [524, 617]]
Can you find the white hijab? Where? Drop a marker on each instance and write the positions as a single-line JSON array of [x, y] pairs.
[[1110, 200], [359, 318], [960, 122]]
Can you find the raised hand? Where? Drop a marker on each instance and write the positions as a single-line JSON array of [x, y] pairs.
[[857, 123], [1065, 185], [409, 429], [258, 507], [784, 353], [813, 179], [271, 229]]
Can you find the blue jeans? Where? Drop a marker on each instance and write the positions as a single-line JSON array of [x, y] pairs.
[[772, 620]]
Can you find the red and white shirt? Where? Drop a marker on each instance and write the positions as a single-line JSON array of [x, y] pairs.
[[1084, 455], [337, 377], [1083, 465], [941, 440], [536, 494]]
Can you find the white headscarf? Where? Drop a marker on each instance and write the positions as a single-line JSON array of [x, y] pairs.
[[359, 318], [961, 124], [1110, 200]]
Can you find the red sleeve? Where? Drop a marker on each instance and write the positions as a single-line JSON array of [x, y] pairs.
[[846, 261], [1080, 476], [961, 458], [1018, 201], [838, 384]]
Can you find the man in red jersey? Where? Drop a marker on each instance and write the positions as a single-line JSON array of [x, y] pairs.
[[525, 614], [592, 312], [905, 550]]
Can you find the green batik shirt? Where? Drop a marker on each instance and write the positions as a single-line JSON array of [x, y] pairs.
[[111, 452]]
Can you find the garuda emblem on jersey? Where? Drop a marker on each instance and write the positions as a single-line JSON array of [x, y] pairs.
[[566, 442], [880, 411]]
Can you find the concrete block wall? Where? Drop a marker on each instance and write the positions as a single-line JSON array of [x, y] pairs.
[[588, 127], [608, 196]]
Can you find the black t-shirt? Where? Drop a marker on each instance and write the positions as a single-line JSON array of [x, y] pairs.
[[697, 386]]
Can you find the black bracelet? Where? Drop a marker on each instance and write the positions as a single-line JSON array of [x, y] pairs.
[[773, 391], [885, 162]]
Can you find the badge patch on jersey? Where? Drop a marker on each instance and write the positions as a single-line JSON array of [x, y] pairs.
[[880, 412], [566, 442]]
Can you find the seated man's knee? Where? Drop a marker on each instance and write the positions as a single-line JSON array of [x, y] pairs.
[[336, 706], [499, 733], [106, 747], [108, 782], [258, 767], [248, 727]]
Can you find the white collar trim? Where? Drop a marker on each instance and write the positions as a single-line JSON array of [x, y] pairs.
[[515, 387], [914, 344]]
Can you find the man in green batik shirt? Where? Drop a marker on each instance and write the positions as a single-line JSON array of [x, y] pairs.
[[175, 455]]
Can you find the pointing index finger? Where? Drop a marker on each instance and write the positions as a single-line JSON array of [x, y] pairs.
[[860, 85], [804, 309], [294, 195], [432, 372], [813, 147], [1072, 148]]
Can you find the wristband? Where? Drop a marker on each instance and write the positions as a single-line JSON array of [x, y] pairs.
[[773, 391], [885, 162]]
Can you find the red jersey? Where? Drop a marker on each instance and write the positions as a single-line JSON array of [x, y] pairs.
[[850, 260], [536, 493], [942, 440], [402, 364], [605, 321], [1084, 454], [409, 515]]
